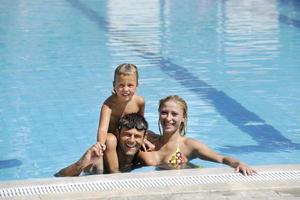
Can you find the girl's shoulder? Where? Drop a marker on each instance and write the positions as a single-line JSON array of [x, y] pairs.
[[140, 100], [110, 101]]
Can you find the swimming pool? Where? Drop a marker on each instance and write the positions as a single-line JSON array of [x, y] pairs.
[[235, 62]]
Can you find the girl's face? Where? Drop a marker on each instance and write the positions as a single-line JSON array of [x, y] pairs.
[[171, 116], [125, 86]]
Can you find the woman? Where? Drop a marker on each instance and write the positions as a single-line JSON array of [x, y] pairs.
[[175, 150]]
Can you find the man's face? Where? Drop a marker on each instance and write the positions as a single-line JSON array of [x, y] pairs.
[[131, 140]]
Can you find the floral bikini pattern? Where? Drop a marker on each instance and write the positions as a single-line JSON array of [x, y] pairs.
[[177, 159]]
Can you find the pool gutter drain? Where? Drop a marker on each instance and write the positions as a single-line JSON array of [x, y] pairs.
[[135, 183]]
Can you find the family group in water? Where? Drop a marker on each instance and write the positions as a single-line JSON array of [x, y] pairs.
[[124, 141]]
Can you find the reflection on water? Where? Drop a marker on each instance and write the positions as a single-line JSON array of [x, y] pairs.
[[251, 35], [235, 62], [249, 39], [133, 24]]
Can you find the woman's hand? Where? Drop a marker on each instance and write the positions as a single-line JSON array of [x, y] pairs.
[[148, 146], [245, 169]]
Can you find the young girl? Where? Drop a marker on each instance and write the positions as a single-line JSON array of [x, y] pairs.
[[122, 101], [175, 150]]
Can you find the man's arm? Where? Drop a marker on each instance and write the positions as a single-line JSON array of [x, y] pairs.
[[73, 170], [89, 157]]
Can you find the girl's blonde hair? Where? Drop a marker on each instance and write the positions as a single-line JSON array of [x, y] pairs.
[[126, 69], [181, 102]]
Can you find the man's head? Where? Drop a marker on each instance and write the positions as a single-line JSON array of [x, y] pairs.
[[132, 131]]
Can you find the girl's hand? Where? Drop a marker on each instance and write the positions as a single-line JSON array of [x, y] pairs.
[[103, 147]]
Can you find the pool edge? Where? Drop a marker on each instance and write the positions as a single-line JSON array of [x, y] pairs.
[[276, 187]]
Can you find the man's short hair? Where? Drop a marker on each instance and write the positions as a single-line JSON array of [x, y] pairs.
[[133, 120]]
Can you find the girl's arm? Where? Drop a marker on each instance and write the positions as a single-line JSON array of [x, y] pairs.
[[141, 103], [147, 146], [104, 119], [111, 155]]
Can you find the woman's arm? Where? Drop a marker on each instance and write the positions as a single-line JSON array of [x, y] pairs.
[[238, 165], [149, 158], [202, 151]]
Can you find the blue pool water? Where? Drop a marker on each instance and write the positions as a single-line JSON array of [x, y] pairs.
[[235, 62]]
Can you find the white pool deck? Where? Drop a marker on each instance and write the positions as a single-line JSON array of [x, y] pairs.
[[271, 182]]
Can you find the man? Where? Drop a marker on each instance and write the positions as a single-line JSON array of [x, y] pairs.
[[131, 134]]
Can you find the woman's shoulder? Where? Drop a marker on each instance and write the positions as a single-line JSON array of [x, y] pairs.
[[191, 142]]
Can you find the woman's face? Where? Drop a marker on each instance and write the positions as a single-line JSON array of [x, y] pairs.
[[125, 86], [171, 116]]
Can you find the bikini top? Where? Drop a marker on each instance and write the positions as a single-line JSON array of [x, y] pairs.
[[176, 159]]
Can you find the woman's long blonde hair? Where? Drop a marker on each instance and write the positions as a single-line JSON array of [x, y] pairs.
[[180, 101]]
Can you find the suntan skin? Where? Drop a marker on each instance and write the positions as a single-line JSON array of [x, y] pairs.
[[172, 120], [130, 142], [123, 101]]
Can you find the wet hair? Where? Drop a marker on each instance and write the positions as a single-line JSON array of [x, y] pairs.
[[126, 69], [181, 102], [133, 120]]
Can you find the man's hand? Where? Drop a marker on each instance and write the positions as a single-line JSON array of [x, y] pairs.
[[91, 155]]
